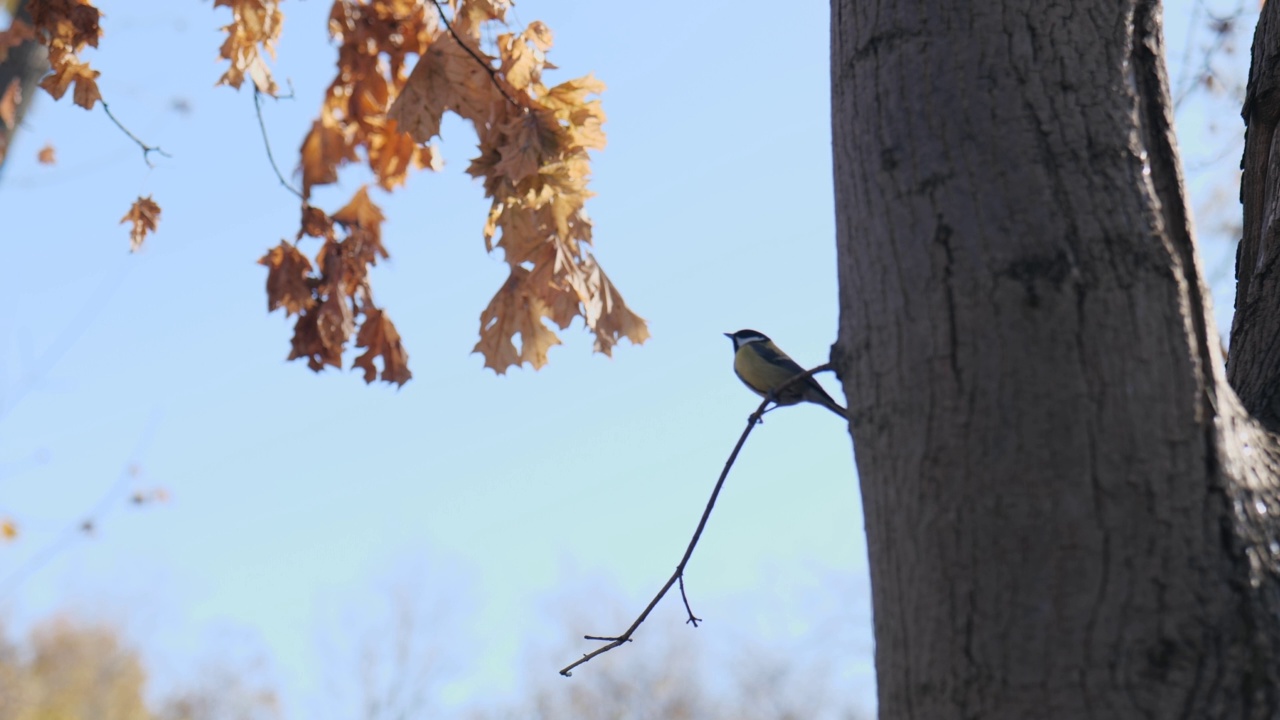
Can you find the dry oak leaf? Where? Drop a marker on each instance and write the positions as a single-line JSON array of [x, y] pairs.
[[306, 343], [524, 56], [315, 223], [533, 139], [335, 321], [445, 78], [69, 71], [324, 148], [468, 19], [70, 24], [363, 220], [392, 154], [46, 156], [144, 214], [606, 313], [254, 28], [379, 335], [515, 311], [288, 279]]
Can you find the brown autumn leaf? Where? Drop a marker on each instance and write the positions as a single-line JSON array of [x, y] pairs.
[[8, 529], [143, 214], [362, 212], [608, 314], [46, 156], [254, 29], [533, 139], [288, 279], [362, 219], [524, 56], [335, 322], [324, 148], [471, 15], [71, 24], [446, 78], [392, 154], [514, 310], [380, 338], [315, 223], [66, 27], [306, 343], [533, 161], [69, 71]]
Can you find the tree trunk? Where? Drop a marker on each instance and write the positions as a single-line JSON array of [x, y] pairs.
[[22, 66], [1067, 509]]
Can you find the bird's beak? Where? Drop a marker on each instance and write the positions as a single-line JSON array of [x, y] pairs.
[[728, 335]]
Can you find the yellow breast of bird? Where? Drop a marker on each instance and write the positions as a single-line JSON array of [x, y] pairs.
[[757, 372]]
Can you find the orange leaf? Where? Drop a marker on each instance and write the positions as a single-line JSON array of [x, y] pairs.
[[144, 214], [46, 155], [8, 529]]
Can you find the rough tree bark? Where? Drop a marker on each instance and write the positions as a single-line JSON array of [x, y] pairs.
[[1068, 509]]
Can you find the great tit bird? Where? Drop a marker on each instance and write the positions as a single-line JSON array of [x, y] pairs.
[[761, 366]]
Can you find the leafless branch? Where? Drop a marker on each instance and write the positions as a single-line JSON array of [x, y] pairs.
[[493, 74], [146, 149], [693, 620], [262, 125], [678, 575]]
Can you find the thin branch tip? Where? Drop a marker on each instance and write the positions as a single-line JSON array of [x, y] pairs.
[[678, 576], [262, 125], [146, 149]]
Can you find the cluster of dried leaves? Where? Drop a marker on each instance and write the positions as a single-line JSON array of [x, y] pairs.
[[66, 28], [382, 109], [401, 65]]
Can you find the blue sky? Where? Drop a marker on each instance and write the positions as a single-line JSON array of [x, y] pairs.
[[295, 495]]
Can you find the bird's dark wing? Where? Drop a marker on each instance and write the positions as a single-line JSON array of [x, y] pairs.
[[770, 352], [808, 389]]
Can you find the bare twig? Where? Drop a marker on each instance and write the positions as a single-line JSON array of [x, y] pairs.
[[493, 74], [262, 124], [693, 620], [146, 149], [678, 575]]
